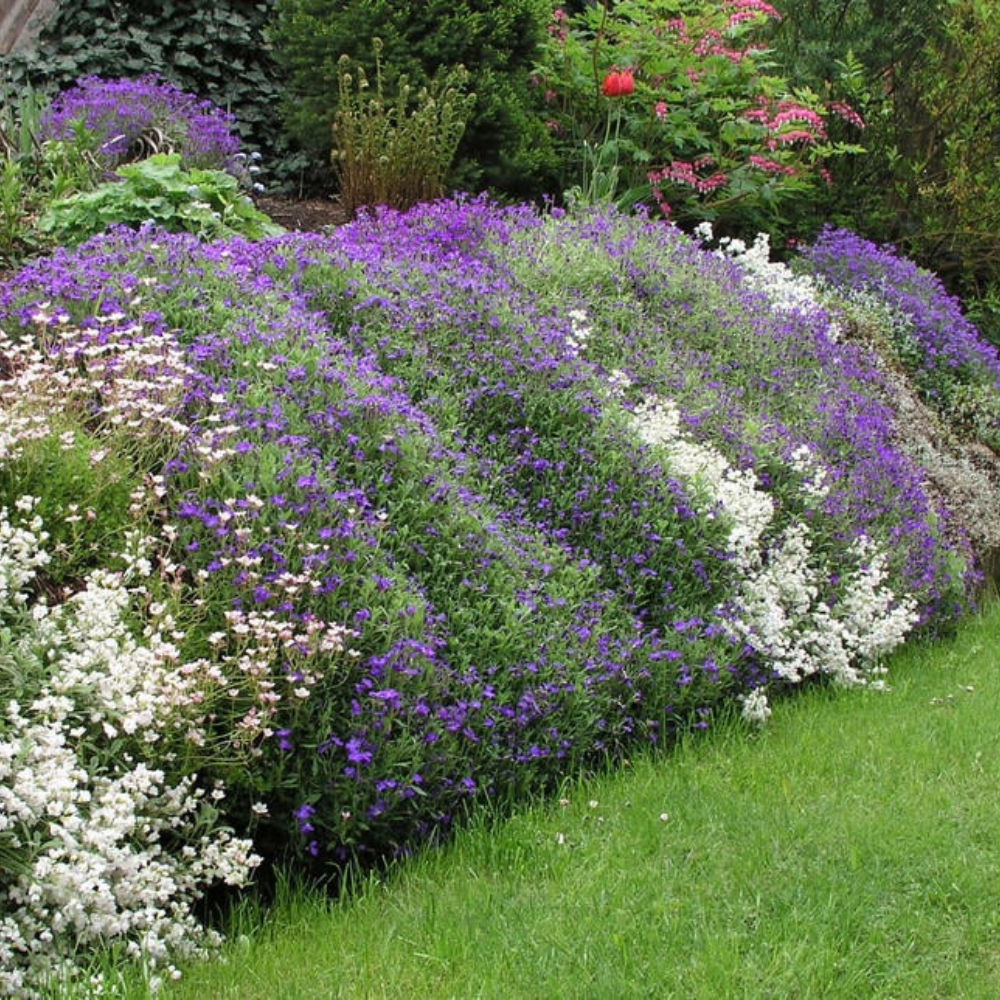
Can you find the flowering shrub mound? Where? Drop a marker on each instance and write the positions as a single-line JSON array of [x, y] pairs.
[[132, 119], [436, 509], [953, 368]]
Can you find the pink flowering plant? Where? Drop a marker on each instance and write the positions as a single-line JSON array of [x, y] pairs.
[[709, 130]]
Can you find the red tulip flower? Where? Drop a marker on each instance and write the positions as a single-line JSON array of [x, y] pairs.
[[618, 83]]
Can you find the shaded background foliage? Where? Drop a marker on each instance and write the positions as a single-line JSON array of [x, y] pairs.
[[506, 146], [925, 76]]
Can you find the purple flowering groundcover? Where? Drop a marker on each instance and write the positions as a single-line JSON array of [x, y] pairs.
[[569, 486]]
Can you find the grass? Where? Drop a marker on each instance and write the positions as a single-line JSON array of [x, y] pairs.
[[851, 848]]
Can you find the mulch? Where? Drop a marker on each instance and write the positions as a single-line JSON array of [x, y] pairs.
[[304, 215]]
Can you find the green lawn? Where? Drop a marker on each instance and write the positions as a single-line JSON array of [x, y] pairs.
[[850, 849]]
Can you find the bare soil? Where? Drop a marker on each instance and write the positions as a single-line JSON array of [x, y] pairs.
[[306, 215]]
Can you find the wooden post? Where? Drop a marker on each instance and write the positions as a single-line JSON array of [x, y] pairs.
[[21, 20]]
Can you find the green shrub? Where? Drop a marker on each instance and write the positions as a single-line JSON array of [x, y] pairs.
[[948, 112], [926, 83], [504, 147]]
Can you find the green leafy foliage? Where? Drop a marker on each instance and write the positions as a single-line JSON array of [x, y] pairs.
[[208, 203], [83, 491], [33, 172], [505, 146]]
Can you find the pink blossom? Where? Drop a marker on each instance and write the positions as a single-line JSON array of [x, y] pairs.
[[847, 113], [558, 28], [685, 173], [745, 9], [796, 135], [770, 166]]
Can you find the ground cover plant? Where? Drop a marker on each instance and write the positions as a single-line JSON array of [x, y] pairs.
[[130, 118], [849, 848], [949, 362], [411, 519]]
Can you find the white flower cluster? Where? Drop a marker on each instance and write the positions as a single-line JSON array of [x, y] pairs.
[[128, 379], [21, 550], [580, 331], [98, 844], [755, 708], [104, 846], [780, 613], [778, 606], [813, 482], [100, 841], [787, 292], [749, 508]]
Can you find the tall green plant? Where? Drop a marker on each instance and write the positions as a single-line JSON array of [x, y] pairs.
[[396, 151], [505, 146], [18, 146], [33, 172]]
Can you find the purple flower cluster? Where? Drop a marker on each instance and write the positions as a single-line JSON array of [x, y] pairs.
[[395, 430], [947, 342], [134, 117], [488, 661], [686, 325]]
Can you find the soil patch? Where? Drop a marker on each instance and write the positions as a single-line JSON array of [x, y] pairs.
[[304, 215]]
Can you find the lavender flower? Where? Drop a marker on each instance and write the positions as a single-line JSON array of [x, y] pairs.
[[932, 334], [132, 118]]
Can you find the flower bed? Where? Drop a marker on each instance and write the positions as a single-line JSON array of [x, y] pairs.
[[424, 514]]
